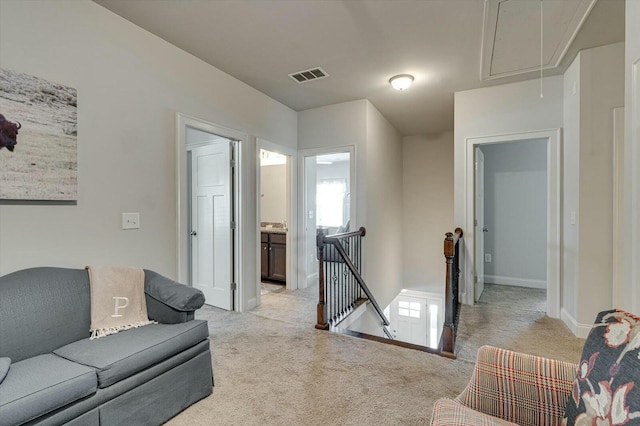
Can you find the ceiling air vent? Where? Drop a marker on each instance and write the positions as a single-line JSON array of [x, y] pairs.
[[309, 75]]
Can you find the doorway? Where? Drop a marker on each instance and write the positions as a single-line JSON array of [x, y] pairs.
[[274, 220], [208, 210], [328, 188], [552, 232], [280, 212], [511, 215]]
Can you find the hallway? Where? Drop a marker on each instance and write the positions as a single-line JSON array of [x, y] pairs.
[[505, 316], [514, 318]]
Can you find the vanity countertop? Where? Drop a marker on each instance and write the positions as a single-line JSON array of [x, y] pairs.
[[274, 230]]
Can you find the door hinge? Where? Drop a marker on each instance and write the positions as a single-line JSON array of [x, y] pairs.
[[234, 286], [232, 163], [233, 224]]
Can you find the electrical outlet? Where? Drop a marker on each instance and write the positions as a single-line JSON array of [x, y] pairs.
[[130, 220], [487, 257]]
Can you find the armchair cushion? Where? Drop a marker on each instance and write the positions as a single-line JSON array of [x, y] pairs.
[[447, 412], [519, 388], [604, 389]]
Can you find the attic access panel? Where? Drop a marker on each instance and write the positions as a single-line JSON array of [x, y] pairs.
[[511, 34]]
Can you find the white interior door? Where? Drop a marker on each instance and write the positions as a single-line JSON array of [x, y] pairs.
[[479, 223], [311, 261], [211, 216], [411, 319]]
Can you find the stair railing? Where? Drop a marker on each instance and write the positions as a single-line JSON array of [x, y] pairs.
[[341, 286], [452, 303]]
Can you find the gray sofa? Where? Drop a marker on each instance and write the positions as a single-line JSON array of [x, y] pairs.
[[58, 376]]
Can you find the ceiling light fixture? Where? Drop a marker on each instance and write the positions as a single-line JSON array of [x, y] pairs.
[[401, 81]]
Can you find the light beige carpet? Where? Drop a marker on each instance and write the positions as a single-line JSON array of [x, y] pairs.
[[271, 367]]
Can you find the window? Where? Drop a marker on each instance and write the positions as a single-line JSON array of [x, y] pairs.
[[409, 309], [330, 196]]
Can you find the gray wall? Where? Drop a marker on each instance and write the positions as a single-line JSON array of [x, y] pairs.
[[130, 84], [515, 212]]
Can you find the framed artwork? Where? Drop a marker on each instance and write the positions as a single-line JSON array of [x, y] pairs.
[[38, 139]]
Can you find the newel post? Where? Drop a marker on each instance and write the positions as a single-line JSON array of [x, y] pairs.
[[448, 330], [322, 323]]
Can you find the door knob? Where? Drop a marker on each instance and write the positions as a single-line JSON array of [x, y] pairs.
[[484, 229], [193, 233]]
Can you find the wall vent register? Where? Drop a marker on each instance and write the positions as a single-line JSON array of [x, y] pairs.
[[309, 75]]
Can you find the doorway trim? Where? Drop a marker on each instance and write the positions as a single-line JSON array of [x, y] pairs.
[[618, 294], [182, 208], [554, 174], [292, 213], [303, 274]]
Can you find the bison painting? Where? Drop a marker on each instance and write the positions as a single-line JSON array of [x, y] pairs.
[[40, 163], [8, 133]]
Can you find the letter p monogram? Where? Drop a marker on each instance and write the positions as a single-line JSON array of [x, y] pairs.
[[118, 306]]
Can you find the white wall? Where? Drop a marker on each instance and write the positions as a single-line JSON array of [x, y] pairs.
[[631, 285], [593, 88], [427, 208], [571, 188], [339, 125], [378, 183], [601, 90], [273, 197], [130, 84], [515, 213], [498, 110], [383, 243], [332, 126]]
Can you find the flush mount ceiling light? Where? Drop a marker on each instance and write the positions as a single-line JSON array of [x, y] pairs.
[[401, 81]]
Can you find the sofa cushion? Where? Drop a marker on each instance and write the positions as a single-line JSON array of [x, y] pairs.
[[447, 412], [121, 355], [5, 364], [38, 385], [42, 309], [605, 389]]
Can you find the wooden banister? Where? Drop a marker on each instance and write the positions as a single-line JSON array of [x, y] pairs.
[[341, 286], [452, 257]]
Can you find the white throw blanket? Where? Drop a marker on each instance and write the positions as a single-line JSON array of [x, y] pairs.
[[117, 299]]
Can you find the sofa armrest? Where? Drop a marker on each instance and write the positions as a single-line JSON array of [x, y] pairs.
[[169, 302], [520, 388]]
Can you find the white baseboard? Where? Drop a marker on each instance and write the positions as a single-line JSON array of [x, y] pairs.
[[252, 303], [312, 279], [517, 282], [579, 330]]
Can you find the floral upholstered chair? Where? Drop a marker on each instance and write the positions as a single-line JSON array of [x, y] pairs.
[[512, 388]]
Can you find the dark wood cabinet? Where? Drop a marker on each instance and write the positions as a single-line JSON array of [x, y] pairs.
[[273, 250], [264, 264]]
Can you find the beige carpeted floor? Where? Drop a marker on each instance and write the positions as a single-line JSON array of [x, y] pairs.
[[271, 367]]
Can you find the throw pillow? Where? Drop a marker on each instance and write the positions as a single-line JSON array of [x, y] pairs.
[[604, 390], [5, 363]]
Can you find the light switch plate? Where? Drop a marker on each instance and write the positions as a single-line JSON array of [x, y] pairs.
[[130, 220], [487, 257]]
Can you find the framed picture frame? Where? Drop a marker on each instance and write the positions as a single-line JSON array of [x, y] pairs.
[[38, 139]]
